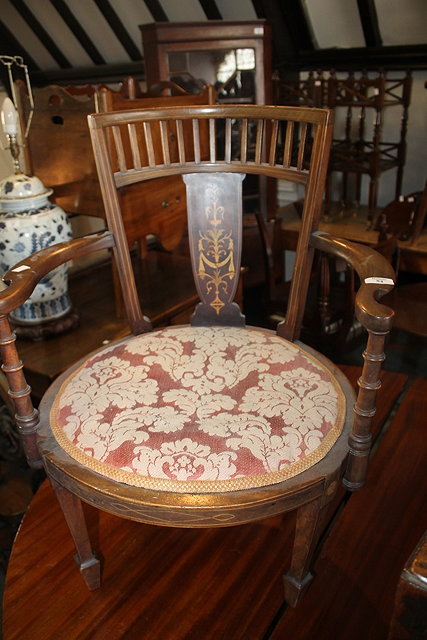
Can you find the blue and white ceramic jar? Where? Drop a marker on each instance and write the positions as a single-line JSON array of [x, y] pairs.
[[30, 222]]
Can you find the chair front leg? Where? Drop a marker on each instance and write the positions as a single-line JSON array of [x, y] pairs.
[[88, 563], [307, 532]]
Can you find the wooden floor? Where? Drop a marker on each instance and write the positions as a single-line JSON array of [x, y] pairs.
[[225, 584]]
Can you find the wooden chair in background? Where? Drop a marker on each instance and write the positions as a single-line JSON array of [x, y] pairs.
[[58, 148], [214, 423], [404, 219]]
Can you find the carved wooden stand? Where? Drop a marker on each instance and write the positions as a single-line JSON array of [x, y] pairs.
[[53, 328]]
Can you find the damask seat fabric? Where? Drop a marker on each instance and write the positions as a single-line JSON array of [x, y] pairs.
[[199, 409]]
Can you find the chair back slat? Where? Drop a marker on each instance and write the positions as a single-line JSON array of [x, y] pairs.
[[301, 148], [227, 155], [287, 148], [259, 141], [136, 158], [149, 144], [164, 134], [181, 141], [273, 142], [196, 141], [119, 148], [214, 210], [207, 145], [212, 141], [244, 140]]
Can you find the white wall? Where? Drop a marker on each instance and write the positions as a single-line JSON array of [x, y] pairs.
[[415, 172]]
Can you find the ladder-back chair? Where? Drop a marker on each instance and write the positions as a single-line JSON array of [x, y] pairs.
[[215, 423]]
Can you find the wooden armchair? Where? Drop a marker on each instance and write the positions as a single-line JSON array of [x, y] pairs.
[[214, 423]]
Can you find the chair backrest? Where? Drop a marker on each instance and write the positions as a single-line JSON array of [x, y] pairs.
[[279, 142]]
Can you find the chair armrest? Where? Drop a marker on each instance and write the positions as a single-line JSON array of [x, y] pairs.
[[376, 277], [20, 281]]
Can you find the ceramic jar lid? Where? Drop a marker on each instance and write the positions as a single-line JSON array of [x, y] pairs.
[[19, 185], [18, 191]]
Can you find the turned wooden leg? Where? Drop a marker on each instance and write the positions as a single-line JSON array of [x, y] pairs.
[[307, 531], [71, 506]]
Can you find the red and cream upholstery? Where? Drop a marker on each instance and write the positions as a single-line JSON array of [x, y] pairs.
[[199, 409]]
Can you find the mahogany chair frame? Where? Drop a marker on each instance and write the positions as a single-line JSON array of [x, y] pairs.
[[309, 492]]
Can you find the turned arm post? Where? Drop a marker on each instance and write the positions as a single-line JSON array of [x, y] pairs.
[[377, 278], [26, 416], [364, 409]]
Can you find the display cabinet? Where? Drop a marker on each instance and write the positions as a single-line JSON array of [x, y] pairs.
[[235, 57]]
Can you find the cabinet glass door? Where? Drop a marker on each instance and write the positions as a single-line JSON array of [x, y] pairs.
[[230, 71]]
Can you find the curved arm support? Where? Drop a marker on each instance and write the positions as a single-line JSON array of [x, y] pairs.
[[369, 265], [20, 281], [377, 278]]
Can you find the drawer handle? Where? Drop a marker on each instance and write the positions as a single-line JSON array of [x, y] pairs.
[[165, 204]]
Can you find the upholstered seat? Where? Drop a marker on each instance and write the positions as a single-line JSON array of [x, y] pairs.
[[199, 409]]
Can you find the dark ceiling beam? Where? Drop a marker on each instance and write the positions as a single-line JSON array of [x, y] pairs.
[[211, 10], [41, 33], [156, 10], [296, 18], [79, 33], [119, 30], [405, 57], [369, 19], [10, 46], [284, 43], [89, 75]]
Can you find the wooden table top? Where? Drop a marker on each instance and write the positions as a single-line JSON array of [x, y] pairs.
[[175, 584]]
